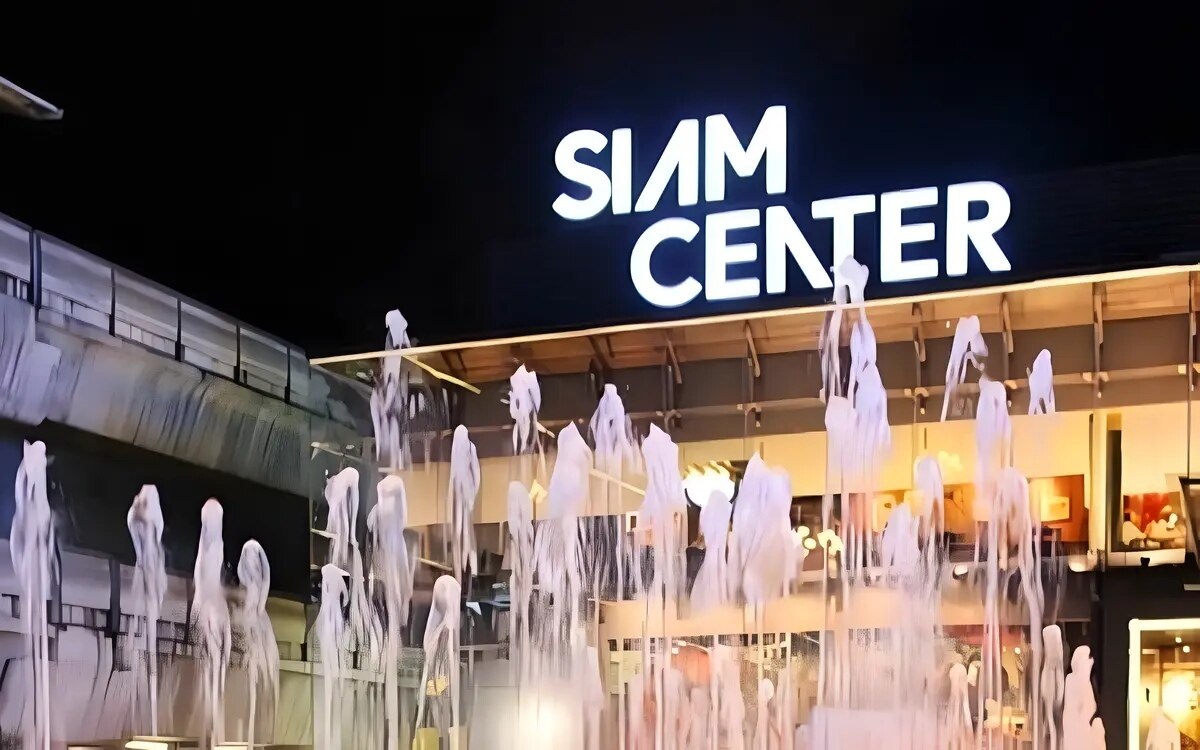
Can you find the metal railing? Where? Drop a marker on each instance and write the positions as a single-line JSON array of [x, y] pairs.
[[65, 283]]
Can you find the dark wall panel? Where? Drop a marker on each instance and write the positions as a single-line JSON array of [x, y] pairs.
[[92, 481]]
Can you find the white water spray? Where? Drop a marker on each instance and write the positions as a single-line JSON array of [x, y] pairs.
[[524, 401], [557, 551], [712, 586], [262, 654], [211, 612], [331, 637], [394, 568], [145, 522], [1080, 730], [968, 346], [521, 563], [341, 495], [441, 647], [464, 489], [761, 541], [1041, 385], [1051, 681], [661, 510], [31, 544]]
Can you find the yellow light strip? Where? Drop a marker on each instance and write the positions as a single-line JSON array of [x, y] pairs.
[[760, 315], [618, 482], [596, 472], [439, 374]]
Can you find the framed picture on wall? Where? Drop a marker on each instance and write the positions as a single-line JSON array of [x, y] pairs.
[[1055, 508]]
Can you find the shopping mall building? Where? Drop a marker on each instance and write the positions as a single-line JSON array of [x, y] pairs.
[[696, 278]]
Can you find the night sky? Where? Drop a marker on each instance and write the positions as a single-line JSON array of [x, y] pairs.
[[306, 174]]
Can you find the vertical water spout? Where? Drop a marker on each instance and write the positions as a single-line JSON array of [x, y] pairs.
[[968, 346], [32, 544], [145, 522], [262, 653], [463, 490], [331, 638], [211, 611], [386, 523]]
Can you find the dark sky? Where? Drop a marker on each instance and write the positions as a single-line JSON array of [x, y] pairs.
[[306, 174]]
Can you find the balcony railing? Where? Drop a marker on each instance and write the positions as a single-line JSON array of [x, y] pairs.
[[64, 283]]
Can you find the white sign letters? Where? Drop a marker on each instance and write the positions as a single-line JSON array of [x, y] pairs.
[[725, 247]]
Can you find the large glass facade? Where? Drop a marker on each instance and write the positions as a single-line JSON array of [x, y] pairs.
[[1103, 469]]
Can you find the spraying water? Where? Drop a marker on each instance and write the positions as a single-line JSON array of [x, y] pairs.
[[390, 407], [145, 522], [761, 541], [1051, 681], [1080, 730], [464, 489], [331, 637], [1041, 385], [521, 562], [341, 495], [557, 553], [441, 647], [712, 585], [524, 401], [615, 450], [387, 522], [32, 546], [664, 503], [968, 346], [211, 612], [262, 655]]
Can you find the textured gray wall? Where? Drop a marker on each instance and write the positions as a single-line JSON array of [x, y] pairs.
[[79, 375]]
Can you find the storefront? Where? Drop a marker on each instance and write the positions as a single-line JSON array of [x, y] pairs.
[[696, 278]]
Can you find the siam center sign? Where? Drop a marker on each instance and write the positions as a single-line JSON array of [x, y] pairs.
[[747, 252]]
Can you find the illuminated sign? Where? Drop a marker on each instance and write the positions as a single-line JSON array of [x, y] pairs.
[[780, 238]]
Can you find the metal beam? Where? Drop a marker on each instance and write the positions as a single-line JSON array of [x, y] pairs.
[[753, 351], [1006, 331], [674, 360], [605, 359], [1097, 337]]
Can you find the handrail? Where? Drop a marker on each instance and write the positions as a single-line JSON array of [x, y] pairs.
[[122, 283]]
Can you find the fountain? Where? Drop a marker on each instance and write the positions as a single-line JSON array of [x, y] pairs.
[[258, 637], [211, 613], [145, 523], [394, 567], [32, 547], [886, 679]]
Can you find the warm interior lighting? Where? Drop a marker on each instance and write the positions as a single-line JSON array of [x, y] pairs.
[[1177, 694], [1017, 650], [1178, 640], [1187, 649], [830, 541], [701, 483], [537, 492], [800, 536], [949, 462], [960, 570]]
